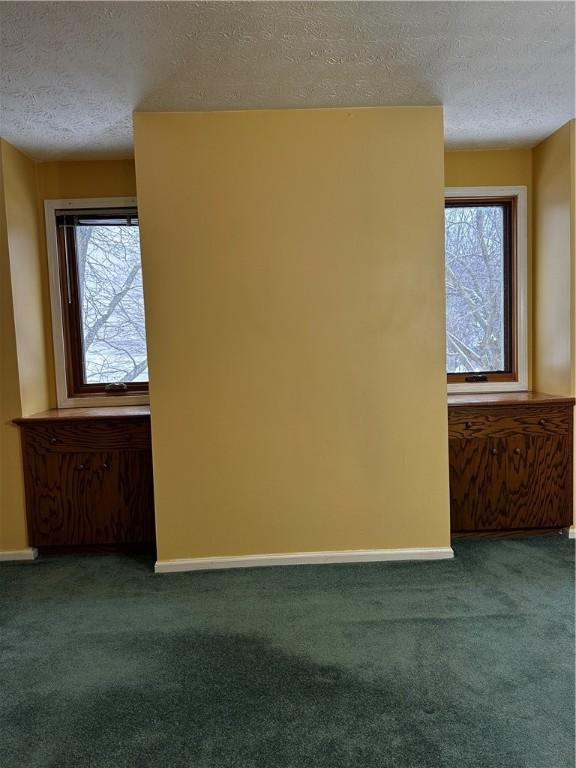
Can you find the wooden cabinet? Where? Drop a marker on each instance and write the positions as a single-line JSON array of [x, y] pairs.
[[510, 463], [88, 477]]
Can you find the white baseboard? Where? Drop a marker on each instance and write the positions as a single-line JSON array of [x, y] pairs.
[[570, 532], [18, 554], [302, 558]]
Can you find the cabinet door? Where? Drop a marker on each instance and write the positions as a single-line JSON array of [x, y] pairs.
[[477, 484], [539, 481], [86, 499], [127, 506], [60, 493]]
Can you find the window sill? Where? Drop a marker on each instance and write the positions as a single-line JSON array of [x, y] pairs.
[[488, 387], [498, 399], [103, 401], [78, 414]]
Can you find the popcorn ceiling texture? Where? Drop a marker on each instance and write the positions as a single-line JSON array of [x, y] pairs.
[[72, 73]]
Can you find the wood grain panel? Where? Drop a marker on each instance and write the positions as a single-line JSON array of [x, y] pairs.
[[97, 435], [93, 487], [90, 498], [134, 521], [539, 482], [59, 494], [508, 534], [125, 413], [477, 484], [507, 421], [510, 468], [479, 400]]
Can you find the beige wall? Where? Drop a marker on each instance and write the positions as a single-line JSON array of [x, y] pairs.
[[495, 168], [12, 517], [311, 477], [488, 168], [26, 356], [103, 178], [573, 245], [64, 180], [25, 381], [293, 274], [29, 278], [554, 264]]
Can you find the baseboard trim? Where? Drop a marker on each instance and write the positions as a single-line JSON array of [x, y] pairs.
[[570, 532], [18, 554], [302, 558]]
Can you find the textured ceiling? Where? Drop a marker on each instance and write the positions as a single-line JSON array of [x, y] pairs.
[[73, 72]]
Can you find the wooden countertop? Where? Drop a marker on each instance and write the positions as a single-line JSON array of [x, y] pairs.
[[79, 414], [143, 411], [507, 398]]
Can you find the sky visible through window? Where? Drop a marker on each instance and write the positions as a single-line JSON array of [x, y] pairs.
[[475, 338], [112, 303]]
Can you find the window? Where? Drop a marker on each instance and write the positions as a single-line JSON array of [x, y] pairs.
[[97, 301], [485, 242]]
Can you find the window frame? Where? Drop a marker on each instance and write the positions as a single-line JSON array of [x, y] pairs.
[[518, 274], [70, 393]]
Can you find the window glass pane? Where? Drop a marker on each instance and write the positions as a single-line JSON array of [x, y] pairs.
[[476, 333], [111, 303]]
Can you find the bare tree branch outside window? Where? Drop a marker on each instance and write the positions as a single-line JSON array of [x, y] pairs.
[[475, 285], [111, 303]]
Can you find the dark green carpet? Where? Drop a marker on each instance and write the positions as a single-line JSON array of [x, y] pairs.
[[466, 663]]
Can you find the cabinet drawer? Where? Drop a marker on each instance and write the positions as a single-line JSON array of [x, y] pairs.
[[97, 435], [507, 421]]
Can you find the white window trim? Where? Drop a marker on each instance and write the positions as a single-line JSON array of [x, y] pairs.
[[64, 401], [520, 193]]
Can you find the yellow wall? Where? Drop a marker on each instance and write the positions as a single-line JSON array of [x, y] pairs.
[[294, 284], [26, 352], [573, 245], [63, 180], [289, 454], [553, 264], [29, 277], [488, 168], [494, 168], [12, 517], [102, 178]]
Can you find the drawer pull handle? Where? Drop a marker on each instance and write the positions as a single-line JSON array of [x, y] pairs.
[[516, 450], [494, 451], [542, 422], [104, 466], [53, 440], [468, 425], [80, 466]]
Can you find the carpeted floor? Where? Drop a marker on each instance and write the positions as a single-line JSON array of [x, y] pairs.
[[451, 664]]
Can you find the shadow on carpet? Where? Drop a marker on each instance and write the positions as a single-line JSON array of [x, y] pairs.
[[466, 663]]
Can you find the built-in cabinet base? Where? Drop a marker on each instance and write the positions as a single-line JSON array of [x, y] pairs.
[[88, 477], [511, 463]]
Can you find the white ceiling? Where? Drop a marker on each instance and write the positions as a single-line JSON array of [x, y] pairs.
[[73, 72]]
